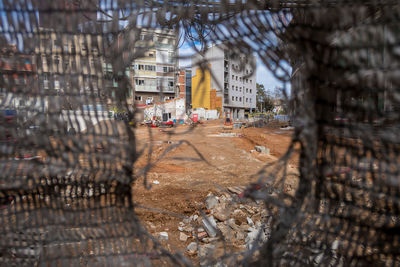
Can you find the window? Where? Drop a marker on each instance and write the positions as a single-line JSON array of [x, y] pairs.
[[170, 83], [149, 100], [247, 100], [233, 87], [56, 60], [240, 89], [57, 43], [171, 69], [250, 91], [247, 80], [139, 82], [22, 103], [138, 97], [150, 68], [236, 98], [233, 98], [73, 50], [236, 78], [165, 69], [250, 100], [236, 88], [142, 37], [247, 90], [141, 67], [247, 72], [84, 48], [151, 54], [250, 81], [233, 77], [240, 79]]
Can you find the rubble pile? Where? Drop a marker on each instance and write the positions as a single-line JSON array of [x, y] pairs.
[[226, 221]]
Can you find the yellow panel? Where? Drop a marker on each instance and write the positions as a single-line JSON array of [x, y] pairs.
[[201, 86]]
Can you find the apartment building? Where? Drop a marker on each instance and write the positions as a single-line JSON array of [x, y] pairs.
[[70, 64], [154, 74], [18, 82], [227, 82]]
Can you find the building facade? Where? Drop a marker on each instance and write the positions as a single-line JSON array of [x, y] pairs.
[[153, 75], [225, 82], [188, 85]]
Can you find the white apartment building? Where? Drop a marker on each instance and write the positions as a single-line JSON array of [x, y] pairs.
[[231, 85], [153, 75]]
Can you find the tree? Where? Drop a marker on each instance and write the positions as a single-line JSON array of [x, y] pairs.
[[265, 102]]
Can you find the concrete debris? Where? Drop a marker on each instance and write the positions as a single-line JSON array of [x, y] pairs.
[[220, 212], [210, 226], [192, 247], [236, 189], [250, 221], [183, 237], [156, 182], [163, 235], [206, 250], [211, 201], [244, 224], [262, 149]]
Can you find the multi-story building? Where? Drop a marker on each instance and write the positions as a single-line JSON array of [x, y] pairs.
[[224, 81], [18, 82], [70, 64], [153, 74]]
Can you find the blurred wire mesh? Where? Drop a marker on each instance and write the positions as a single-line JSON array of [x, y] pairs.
[[67, 168]]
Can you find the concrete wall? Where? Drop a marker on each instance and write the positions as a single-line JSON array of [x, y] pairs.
[[204, 114], [175, 106]]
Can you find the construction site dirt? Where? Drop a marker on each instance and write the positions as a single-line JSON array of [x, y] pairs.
[[188, 163]]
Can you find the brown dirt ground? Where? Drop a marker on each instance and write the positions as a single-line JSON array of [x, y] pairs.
[[203, 163]]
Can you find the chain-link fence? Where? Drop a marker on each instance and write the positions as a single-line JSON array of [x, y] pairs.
[[67, 166]]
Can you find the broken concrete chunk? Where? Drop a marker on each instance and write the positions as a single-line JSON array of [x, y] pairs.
[[206, 250], [250, 221], [163, 235], [262, 149], [221, 213], [192, 247], [210, 225], [183, 237], [211, 201], [240, 235]]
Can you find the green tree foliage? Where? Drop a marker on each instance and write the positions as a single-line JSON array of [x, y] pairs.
[[265, 102]]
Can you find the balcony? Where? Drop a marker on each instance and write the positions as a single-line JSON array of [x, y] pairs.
[[146, 88]]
